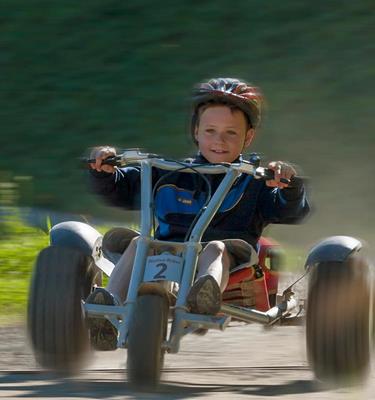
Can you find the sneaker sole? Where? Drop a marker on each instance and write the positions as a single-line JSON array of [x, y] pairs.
[[205, 297]]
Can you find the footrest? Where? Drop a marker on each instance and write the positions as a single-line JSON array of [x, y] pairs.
[[195, 321], [103, 311]]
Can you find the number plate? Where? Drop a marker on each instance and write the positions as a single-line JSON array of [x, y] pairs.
[[163, 267]]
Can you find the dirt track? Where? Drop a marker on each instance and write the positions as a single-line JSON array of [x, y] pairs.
[[242, 361], [245, 361]]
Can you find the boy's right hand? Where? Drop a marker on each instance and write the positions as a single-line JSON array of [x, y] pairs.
[[100, 154]]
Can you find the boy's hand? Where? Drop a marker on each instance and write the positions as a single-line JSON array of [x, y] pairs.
[[282, 170], [100, 154]]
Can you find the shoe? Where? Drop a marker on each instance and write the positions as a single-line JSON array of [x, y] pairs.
[[204, 296], [103, 335]]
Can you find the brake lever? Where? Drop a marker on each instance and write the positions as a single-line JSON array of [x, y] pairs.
[[268, 174], [127, 157], [114, 161]]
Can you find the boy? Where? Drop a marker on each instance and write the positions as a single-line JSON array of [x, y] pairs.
[[226, 113]]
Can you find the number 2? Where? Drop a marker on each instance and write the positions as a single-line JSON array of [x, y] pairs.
[[162, 267]]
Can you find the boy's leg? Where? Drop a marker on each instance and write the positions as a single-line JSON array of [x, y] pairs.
[[119, 280], [215, 260], [103, 334], [213, 273]]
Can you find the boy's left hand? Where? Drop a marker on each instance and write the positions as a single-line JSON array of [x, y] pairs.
[[282, 170]]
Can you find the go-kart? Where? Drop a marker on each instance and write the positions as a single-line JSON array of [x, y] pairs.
[[154, 318]]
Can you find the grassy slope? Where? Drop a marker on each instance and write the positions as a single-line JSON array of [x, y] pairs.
[[18, 249]]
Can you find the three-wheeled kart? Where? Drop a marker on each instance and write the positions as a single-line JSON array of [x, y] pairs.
[[339, 304]]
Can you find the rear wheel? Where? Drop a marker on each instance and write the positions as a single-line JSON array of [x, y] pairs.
[[62, 277], [338, 331], [146, 336]]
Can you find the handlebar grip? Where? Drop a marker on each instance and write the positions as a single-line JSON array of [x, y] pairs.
[[269, 174], [114, 161]]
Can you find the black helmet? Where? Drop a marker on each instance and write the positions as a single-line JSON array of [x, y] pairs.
[[246, 97]]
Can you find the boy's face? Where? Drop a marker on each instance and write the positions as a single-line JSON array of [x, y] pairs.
[[222, 134]]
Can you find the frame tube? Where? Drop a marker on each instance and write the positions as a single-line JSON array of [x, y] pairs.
[[251, 315], [212, 207]]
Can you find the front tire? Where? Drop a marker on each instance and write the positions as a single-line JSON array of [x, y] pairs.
[[62, 278], [147, 333], [338, 331]]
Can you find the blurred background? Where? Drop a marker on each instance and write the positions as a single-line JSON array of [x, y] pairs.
[[75, 74]]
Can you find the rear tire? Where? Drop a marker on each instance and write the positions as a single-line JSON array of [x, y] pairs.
[[62, 277], [338, 331], [147, 333]]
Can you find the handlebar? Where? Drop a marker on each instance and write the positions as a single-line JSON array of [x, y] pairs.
[[134, 156]]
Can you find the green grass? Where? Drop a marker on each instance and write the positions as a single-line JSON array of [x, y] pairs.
[[13, 296], [19, 246]]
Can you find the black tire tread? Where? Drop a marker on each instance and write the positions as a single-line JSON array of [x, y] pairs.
[[337, 321], [62, 277], [146, 335]]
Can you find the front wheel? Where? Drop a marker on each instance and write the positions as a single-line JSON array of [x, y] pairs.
[[338, 329], [62, 278], [147, 333]]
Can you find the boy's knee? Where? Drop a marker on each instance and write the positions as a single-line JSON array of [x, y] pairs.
[[117, 240], [134, 241], [217, 246], [219, 249]]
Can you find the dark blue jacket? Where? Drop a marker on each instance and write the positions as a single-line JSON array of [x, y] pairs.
[[247, 209]]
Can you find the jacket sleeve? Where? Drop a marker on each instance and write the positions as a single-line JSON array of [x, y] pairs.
[[284, 206], [121, 189]]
